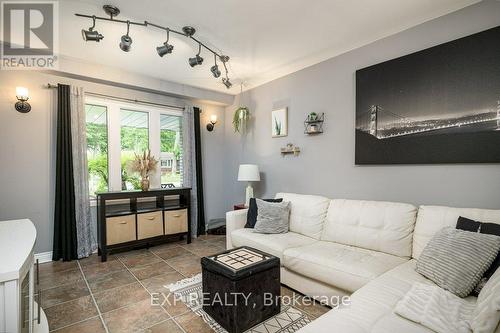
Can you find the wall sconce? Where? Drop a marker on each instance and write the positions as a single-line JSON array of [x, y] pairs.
[[22, 96], [211, 124]]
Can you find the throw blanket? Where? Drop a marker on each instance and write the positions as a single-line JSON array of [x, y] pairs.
[[436, 309]]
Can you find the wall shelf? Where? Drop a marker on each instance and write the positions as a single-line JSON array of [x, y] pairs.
[[290, 149], [313, 124]]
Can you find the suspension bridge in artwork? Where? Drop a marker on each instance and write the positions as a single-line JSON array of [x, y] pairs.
[[384, 124]]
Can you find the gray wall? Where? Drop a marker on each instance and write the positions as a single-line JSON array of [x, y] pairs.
[[27, 153], [326, 164], [212, 156]]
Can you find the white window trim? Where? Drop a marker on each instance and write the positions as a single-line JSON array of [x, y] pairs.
[[113, 108]]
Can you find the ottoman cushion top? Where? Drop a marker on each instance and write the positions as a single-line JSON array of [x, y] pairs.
[[239, 262]]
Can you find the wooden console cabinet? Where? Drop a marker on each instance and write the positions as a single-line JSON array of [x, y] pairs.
[[131, 219]]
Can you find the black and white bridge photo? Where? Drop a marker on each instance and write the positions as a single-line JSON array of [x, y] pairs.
[[439, 105]]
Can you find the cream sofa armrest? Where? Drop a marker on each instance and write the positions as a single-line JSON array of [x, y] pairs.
[[235, 220]]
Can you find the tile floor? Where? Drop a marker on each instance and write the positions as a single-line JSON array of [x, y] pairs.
[[115, 296]]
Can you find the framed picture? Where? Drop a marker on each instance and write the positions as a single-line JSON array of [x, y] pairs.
[[279, 121], [438, 105]]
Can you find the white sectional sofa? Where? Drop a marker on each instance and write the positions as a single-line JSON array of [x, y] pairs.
[[365, 249]]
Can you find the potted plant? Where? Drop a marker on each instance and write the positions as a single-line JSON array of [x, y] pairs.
[[313, 116], [240, 118], [145, 165]]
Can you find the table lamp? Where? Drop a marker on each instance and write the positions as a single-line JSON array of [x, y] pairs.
[[249, 173]]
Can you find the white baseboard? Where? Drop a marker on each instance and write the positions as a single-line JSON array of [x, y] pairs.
[[43, 257]]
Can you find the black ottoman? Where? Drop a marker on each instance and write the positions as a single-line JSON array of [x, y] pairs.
[[241, 287]]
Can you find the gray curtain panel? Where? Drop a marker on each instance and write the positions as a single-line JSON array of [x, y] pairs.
[[85, 228], [189, 163]]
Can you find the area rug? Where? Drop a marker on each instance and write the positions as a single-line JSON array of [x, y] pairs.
[[189, 290]]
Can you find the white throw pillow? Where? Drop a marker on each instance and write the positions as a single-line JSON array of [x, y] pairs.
[[436, 309], [486, 315]]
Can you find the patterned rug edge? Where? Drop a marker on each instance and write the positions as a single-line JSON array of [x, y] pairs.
[[289, 320]]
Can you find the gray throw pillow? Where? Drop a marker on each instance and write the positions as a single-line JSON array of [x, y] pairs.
[[456, 260], [272, 217]]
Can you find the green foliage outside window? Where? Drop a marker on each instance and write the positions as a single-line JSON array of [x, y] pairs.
[[167, 141], [97, 156], [133, 140], [97, 138]]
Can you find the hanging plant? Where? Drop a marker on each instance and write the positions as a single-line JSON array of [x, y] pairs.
[[240, 118]]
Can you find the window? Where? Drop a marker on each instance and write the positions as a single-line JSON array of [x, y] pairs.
[[97, 147], [116, 131], [171, 149], [134, 139]]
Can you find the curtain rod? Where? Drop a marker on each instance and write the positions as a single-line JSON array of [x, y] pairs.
[[51, 86]]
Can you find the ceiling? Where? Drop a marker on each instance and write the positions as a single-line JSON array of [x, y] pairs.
[[266, 39]]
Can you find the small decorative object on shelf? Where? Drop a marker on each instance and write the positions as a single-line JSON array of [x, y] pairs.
[[314, 123], [145, 165], [290, 149]]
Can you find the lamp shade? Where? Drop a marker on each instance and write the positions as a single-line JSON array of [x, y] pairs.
[[22, 93], [249, 173]]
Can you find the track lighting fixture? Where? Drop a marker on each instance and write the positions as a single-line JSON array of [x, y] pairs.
[[196, 60], [215, 69], [226, 82], [126, 40], [166, 48], [162, 50], [91, 34]]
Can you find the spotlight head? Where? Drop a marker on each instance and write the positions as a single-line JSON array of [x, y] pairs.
[[215, 71], [166, 48], [91, 35], [226, 82], [197, 60], [126, 43]]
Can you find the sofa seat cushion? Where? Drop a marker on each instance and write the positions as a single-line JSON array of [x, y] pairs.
[[274, 244], [372, 307], [343, 266]]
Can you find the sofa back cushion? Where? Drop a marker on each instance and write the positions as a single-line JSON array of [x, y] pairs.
[[307, 213], [431, 219], [375, 225]]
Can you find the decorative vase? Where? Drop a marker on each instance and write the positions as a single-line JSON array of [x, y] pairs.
[[145, 184]]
